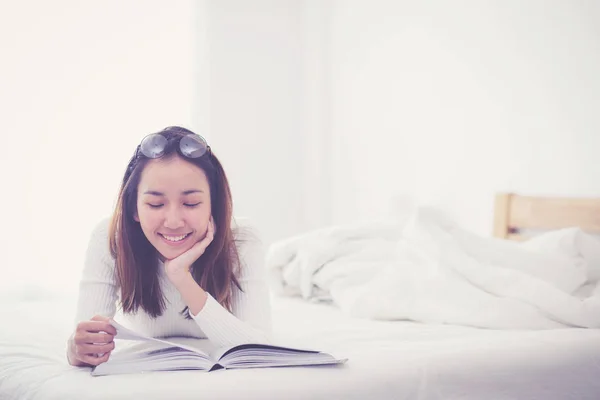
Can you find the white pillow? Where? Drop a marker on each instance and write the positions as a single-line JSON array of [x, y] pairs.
[[573, 243]]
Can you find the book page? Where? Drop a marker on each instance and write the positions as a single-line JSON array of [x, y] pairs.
[[218, 353], [128, 334], [257, 355], [133, 356], [195, 345]]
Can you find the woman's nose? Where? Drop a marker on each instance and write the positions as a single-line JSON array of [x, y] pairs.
[[173, 218]]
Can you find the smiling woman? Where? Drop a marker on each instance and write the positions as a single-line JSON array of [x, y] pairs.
[[177, 265]]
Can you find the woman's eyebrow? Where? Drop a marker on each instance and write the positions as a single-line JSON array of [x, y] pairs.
[[154, 193], [185, 192], [191, 191]]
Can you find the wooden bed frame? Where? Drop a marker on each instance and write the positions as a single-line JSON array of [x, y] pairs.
[[514, 215]]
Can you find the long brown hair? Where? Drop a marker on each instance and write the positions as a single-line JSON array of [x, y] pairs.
[[136, 258]]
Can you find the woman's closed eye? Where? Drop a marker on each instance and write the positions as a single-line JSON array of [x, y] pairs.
[[191, 205]]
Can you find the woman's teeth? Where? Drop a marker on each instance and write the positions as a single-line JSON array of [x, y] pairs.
[[175, 238]]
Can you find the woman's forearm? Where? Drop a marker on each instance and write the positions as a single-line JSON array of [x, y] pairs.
[[193, 295]]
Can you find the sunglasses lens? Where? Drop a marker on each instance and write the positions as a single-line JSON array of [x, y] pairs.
[[153, 146], [193, 146]]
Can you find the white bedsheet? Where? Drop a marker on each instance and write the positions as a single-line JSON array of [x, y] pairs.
[[387, 360]]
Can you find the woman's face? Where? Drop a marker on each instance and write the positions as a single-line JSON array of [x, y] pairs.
[[173, 206]]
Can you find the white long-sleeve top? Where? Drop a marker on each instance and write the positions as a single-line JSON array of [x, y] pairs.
[[249, 322]]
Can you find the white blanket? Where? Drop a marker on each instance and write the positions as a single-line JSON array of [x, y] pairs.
[[430, 270]]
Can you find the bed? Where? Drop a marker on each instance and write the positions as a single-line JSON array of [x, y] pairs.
[[516, 217], [387, 359]]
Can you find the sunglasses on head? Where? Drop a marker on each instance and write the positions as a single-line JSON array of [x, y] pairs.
[[191, 145]]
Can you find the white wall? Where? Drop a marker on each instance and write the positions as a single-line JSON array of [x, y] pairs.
[[449, 102], [268, 109], [322, 111], [81, 83]]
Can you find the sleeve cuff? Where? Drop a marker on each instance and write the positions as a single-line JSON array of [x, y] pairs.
[[211, 307]]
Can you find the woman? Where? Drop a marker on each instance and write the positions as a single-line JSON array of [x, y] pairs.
[[170, 256]]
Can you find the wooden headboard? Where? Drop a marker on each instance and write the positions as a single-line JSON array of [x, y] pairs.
[[514, 215]]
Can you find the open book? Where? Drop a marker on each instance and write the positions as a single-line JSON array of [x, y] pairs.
[[144, 354]]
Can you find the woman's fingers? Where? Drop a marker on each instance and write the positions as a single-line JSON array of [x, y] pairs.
[[97, 326], [199, 248], [97, 338], [93, 359], [212, 225], [210, 235], [87, 349], [93, 354]]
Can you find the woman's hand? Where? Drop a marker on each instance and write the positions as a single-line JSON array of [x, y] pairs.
[[92, 342], [178, 269]]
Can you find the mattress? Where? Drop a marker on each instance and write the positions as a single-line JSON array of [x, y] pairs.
[[387, 360]]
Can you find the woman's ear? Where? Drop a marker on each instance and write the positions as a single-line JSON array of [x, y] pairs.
[[136, 216]]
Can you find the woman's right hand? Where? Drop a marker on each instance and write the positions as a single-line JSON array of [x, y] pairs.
[[92, 342]]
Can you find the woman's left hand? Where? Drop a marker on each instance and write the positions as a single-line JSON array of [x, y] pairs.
[[178, 269]]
